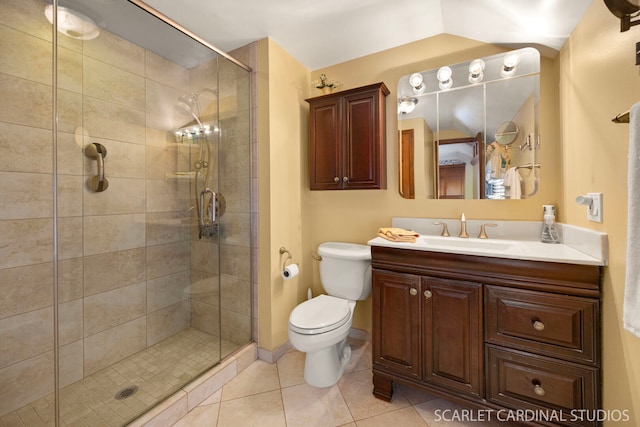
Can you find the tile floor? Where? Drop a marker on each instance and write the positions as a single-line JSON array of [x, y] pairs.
[[274, 395], [157, 371]]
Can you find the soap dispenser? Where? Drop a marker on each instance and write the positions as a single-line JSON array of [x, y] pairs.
[[549, 230]]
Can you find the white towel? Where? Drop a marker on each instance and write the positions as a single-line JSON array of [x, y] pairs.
[[631, 307], [513, 184]]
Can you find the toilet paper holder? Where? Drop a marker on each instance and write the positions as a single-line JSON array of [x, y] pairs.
[[283, 251]]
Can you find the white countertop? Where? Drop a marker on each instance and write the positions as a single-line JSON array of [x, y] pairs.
[[580, 246]]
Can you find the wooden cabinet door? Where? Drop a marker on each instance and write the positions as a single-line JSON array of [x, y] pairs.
[[362, 144], [452, 181], [396, 322], [325, 144], [452, 323]]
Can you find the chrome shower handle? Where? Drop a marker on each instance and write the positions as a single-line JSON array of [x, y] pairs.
[[98, 182], [212, 206]]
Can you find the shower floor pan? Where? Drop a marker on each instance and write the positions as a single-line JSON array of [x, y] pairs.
[[98, 400]]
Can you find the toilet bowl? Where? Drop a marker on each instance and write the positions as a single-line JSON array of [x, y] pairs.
[[320, 326]]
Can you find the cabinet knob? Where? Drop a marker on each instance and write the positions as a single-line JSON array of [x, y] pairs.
[[413, 291], [428, 294], [538, 325], [336, 179], [538, 390], [345, 179]]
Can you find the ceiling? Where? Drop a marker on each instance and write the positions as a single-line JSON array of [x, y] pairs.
[[327, 32]]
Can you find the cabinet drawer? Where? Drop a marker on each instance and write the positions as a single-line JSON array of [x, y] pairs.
[[523, 380], [556, 325]]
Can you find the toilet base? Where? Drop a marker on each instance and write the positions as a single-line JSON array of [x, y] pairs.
[[324, 368]]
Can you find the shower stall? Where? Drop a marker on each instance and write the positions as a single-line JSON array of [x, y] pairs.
[[125, 210]]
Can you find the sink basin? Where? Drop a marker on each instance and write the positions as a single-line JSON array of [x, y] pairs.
[[468, 243]]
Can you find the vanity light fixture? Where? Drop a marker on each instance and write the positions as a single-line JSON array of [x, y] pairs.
[[407, 105], [417, 83], [509, 64], [73, 24], [476, 69], [625, 10], [444, 77]]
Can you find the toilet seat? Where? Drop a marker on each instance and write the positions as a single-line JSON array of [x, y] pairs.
[[320, 314]]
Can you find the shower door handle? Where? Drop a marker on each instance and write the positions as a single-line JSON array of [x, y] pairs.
[[212, 206], [98, 182]]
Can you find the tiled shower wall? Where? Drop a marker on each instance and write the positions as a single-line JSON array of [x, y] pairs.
[[125, 254]]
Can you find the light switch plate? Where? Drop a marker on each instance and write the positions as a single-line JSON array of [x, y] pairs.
[[594, 210]]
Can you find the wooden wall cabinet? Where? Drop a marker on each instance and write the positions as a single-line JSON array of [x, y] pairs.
[[488, 332], [347, 147]]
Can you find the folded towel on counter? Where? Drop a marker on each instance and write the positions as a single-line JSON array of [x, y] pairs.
[[398, 234], [631, 306]]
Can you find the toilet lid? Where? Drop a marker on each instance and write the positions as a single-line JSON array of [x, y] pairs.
[[320, 314]]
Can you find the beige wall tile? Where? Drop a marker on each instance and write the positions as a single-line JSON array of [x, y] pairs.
[[70, 279], [69, 69], [167, 259], [70, 195], [25, 149], [107, 347], [26, 15], [25, 56], [25, 289], [112, 49], [236, 294], [235, 261], [25, 195], [167, 196], [24, 242], [69, 111], [161, 160], [70, 152], [110, 233], [108, 309], [237, 193], [167, 227], [166, 72], [70, 363], [25, 102], [204, 256], [236, 228], [70, 321], [204, 287], [167, 290], [123, 196], [25, 381], [167, 321], [107, 82], [205, 317], [112, 121], [160, 107], [69, 237], [235, 327], [36, 325], [112, 270]]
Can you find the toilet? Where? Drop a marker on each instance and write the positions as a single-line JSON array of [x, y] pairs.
[[320, 326]]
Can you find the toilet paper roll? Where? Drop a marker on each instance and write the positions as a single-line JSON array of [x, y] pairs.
[[290, 271]]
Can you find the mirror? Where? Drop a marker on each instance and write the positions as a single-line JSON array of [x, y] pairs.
[[469, 130]]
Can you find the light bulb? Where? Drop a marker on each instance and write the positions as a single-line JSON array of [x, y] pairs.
[[475, 71], [444, 77], [407, 105], [417, 83], [509, 64]]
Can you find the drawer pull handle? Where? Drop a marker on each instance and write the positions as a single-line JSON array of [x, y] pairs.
[[538, 390], [336, 179], [538, 325], [413, 291], [428, 294]]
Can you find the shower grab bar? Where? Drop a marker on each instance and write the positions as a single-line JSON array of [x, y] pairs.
[[212, 206], [97, 183]]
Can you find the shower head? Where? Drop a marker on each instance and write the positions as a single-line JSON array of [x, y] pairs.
[[186, 104]]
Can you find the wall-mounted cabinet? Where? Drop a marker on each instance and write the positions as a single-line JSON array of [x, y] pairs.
[[347, 149]]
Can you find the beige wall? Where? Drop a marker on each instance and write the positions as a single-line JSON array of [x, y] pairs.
[[598, 79], [588, 83], [283, 84]]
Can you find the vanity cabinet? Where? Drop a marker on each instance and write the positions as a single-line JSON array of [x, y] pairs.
[[489, 332], [347, 139]]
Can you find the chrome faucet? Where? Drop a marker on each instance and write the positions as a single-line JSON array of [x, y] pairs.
[[463, 226]]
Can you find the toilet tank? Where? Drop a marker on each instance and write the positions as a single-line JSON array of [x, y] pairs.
[[345, 270]]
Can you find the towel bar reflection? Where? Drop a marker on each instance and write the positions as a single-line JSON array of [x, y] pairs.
[[528, 166]]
